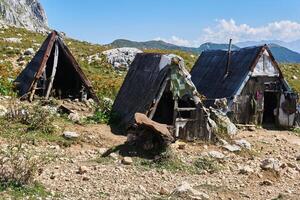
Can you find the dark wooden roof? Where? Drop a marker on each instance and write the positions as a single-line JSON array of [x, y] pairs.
[[141, 85], [208, 74]]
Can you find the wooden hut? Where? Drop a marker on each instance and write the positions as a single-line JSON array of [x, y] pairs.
[[53, 71], [160, 87], [251, 82]]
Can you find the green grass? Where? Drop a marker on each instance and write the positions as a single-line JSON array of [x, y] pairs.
[[297, 131], [290, 70], [33, 191], [16, 130]]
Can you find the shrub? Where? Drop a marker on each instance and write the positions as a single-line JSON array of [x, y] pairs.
[[18, 166], [36, 118], [207, 164], [102, 111]]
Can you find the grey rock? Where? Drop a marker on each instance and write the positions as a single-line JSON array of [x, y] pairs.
[[74, 117], [270, 163], [232, 148], [70, 135], [121, 57], [216, 154], [243, 143], [127, 161], [246, 170], [12, 40], [29, 52], [186, 189]]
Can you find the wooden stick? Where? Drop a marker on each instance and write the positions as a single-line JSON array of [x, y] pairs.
[[53, 71], [44, 81], [33, 90], [160, 94]]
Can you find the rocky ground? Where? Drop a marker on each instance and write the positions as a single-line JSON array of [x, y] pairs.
[[268, 169]]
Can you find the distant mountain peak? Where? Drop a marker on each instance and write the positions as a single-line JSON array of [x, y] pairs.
[[27, 14], [281, 53]]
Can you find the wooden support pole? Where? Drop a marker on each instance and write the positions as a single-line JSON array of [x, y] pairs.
[[33, 91], [54, 69], [175, 115], [157, 100], [44, 82]]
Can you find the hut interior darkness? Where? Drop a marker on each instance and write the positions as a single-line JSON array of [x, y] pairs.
[[160, 87], [54, 72], [250, 81]]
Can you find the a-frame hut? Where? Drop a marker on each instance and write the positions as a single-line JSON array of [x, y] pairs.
[[160, 87], [53, 71], [251, 82]]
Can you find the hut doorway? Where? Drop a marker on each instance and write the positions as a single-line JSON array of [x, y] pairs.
[[270, 105], [165, 109]]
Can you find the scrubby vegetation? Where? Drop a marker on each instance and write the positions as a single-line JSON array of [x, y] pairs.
[[18, 168], [292, 74]]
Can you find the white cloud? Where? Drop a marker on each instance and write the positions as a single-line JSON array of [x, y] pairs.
[[223, 30], [282, 30]]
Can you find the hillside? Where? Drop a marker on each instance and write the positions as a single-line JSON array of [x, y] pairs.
[[282, 54], [167, 46], [104, 78]]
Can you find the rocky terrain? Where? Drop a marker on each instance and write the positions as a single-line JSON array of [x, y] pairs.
[[27, 14], [121, 57], [267, 169]]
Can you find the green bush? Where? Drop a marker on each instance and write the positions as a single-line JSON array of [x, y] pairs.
[[102, 111], [36, 118], [207, 164]]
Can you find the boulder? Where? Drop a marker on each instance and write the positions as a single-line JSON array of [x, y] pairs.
[[127, 161], [74, 117], [29, 52], [13, 40], [232, 148], [243, 143], [270, 163], [70, 135], [216, 154], [121, 57], [185, 190], [246, 170]]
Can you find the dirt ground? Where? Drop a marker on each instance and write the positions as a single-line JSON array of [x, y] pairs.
[[110, 179]]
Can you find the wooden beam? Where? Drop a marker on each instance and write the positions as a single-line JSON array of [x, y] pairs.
[[43, 64], [33, 91], [54, 69], [186, 109]]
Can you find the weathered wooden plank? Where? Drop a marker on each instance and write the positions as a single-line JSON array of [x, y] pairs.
[[54, 69]]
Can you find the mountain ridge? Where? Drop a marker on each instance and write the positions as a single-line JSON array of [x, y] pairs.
[[282, 54], [159, 44]]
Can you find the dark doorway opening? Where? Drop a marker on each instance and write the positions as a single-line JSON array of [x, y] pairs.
[[270, 104], [165, 109]]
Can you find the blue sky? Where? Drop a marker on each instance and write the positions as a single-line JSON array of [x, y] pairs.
[[183, 22]]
